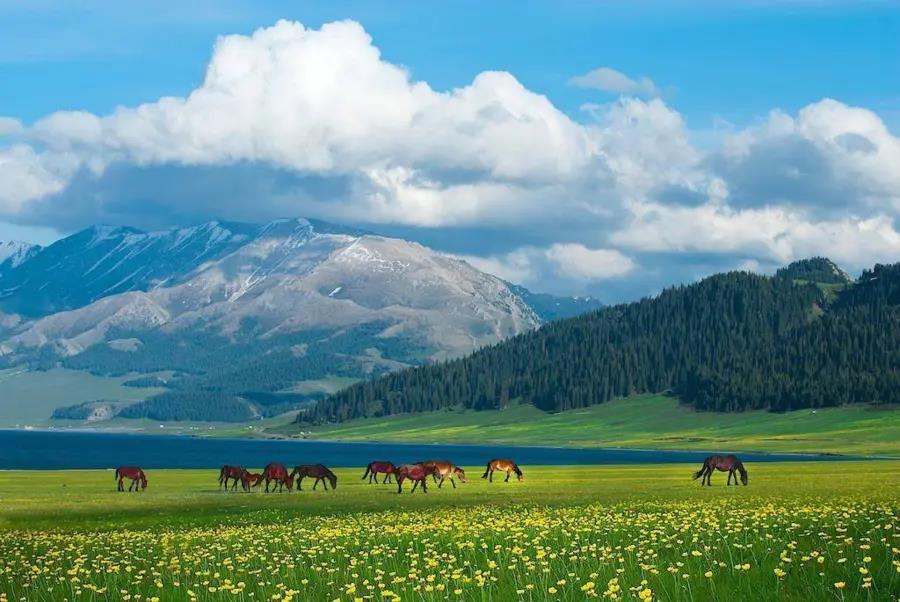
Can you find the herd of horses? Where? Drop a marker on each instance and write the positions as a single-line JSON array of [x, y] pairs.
[[276, 475]]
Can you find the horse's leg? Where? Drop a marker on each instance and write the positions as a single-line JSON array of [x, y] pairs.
[[441, 484], [491, 476], [315, 483], [120, 487], [506, 480], [425, 485], [415, 484], [452, 482]]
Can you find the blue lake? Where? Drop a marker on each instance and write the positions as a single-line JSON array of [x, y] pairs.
[[37, 449]]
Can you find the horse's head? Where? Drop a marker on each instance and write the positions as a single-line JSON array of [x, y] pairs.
[[333, 478], [744, 478], [289, 483], [519, 474], [143, 483], [460, 473]]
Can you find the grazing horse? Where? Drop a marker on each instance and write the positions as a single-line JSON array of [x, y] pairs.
[[503, 465], [238, 474], [278, 474], [135, 474], [418, 473], [253, 479], [728, 464], [317, 471], [384, 467], [444, 470]]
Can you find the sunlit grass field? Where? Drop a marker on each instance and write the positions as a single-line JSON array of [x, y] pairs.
[[641, 421], [810, 531]]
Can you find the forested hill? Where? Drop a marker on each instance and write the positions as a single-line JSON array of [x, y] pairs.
[[731, 342]]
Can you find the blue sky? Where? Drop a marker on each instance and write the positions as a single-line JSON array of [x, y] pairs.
[[718, 71], [732, 61]]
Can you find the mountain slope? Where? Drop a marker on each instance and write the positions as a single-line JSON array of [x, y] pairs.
[[248, 312], [101, 261], [14, 253], [730, 342], [552, 307]]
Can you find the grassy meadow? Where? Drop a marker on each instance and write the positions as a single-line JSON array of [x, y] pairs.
[[800, 531], [645, 421]]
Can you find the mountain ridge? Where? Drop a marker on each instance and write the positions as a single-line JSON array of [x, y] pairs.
[[245, 311]]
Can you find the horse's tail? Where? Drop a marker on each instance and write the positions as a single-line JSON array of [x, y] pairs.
[[700, 472], [221, 475], [116, 475], [486, 471], [368, 470]]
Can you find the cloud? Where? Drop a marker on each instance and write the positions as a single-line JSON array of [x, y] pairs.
[[607, 79], [829, 158], [772, 233], [297, 121], [582, 263]]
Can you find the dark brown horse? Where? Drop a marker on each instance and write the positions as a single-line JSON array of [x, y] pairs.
[[418, 473], [137, 476], [317, 471], [443, 470], [503, 465], [729, 464], [278, 474], [238, 474], [379, 466]]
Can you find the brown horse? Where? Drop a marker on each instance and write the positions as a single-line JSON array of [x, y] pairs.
[[418, 473], [317, 471], [728, 464], [238, 474], [253, 479], [278, 474], [444, 470], [134, 473], [379, 466], [503, 465]]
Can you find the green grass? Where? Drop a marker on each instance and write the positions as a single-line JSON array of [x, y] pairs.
[[647, 421], [564, 533], [29, 397]]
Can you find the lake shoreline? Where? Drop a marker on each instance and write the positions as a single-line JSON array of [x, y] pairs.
[[49, 449]]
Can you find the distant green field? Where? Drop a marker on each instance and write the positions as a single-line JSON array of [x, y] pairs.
[[29, 397], [799, 531], [648, 421]]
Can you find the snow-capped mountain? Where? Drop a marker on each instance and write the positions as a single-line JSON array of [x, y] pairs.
[[13, 253], [245, 313], [102, 261], [285, 277]]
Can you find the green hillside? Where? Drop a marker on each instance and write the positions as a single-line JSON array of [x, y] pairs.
[[732, 342], [647, 421]]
